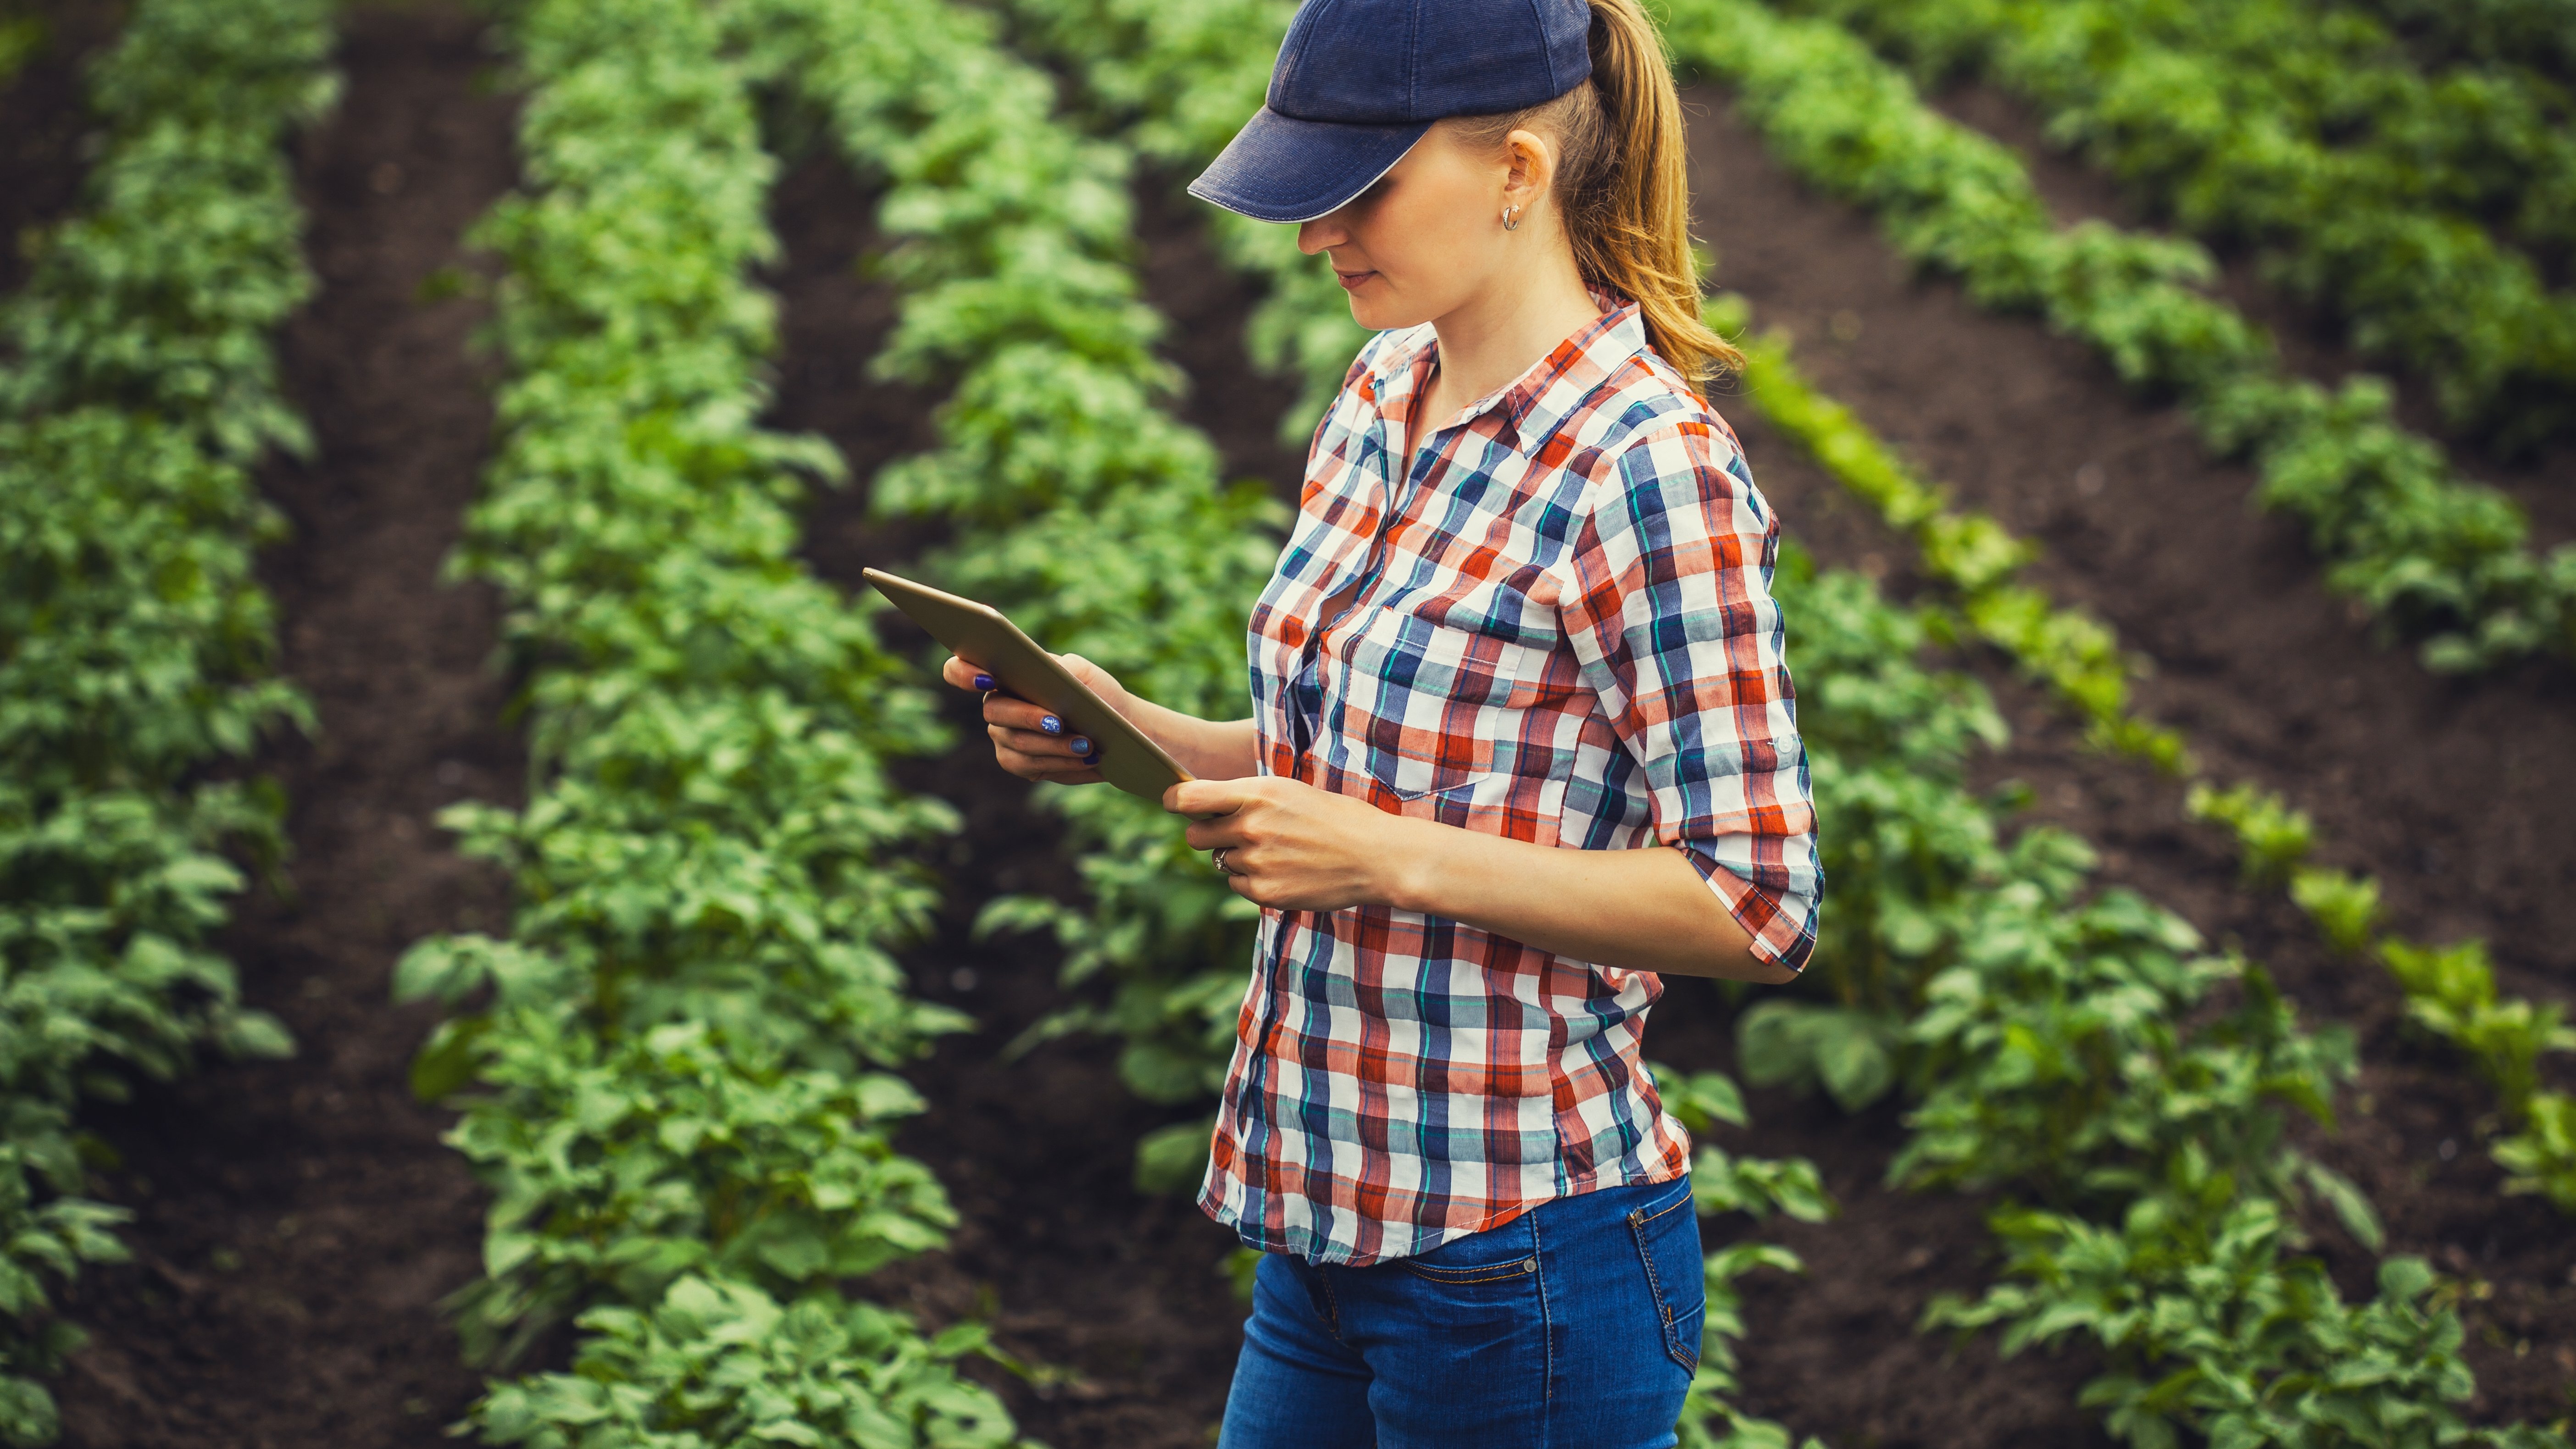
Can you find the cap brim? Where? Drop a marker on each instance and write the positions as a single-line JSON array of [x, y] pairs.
[[1279, 168]]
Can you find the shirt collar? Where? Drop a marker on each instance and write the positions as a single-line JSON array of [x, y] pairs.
[[1533, 404]]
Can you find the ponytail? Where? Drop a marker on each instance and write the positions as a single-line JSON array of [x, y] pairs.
[[1623, 185]]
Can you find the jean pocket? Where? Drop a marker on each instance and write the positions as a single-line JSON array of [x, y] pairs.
[[1507, 1255], [1667, 1236], [1523, 1269]]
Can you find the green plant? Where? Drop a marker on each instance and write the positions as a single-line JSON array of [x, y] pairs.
[[1847, 1050], [2344, 906], [1075, 499], [2275, 838], [1723, 1183], [1177, 81], [139, 389], [2072, 652], [720, 1363], [2435, 556], [2213, 1334], [671, 1071], [2307, 130]]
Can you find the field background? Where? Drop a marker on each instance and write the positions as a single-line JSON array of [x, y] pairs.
[[298, 1221]]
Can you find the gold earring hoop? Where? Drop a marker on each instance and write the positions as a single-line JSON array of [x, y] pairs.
[[1511, 218]]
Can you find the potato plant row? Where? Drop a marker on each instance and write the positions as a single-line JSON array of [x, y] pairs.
[[138, 392], [2450, 991], [2065, 1045], [2430, 553], [1075, 500], [1177, 81], [674, 1071], [2072, 652], [2308, 131]]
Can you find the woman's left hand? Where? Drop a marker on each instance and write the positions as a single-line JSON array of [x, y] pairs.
[[1291, 846]]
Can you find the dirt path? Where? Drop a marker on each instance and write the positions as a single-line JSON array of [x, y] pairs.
[[44, 113], [298, 1221], [1077, 1270], [2311, 341]]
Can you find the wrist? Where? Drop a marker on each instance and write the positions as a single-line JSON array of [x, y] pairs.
[[1406, 860], [1208, 749], [1176, 732]]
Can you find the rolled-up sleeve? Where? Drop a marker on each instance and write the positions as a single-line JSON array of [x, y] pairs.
[[1674, 625]]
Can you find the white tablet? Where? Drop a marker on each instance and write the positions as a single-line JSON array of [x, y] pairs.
[[978, 634]]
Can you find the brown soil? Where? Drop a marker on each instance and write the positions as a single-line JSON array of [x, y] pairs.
[[299, 1220], [2311, 340], [44, 120], [1119, 1294]]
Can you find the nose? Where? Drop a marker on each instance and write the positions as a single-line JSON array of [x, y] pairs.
[[1323, 233]]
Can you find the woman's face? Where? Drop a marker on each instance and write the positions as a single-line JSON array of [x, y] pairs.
[[1428, 237]]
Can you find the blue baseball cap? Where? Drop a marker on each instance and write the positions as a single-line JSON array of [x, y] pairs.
[[1359, 81]]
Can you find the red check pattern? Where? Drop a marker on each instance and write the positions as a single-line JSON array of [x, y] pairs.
[[1562, 632]]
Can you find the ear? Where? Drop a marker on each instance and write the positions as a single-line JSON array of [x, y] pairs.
[[1530, 165]]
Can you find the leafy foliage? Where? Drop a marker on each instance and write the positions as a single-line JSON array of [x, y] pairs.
[[2273, 837], [2452, 994], [2246, 1349], [139, 388], [2308, 130], [2449, 992], [675, 1047], [2072, 652], [720, 1363], [1178, 80], [2077, 1048], [2435, 556], [1722, 1183], [1077, 501]]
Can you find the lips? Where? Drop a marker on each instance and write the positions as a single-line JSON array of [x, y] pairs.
[[1351, 280]]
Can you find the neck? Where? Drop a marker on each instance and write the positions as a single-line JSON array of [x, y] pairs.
[[1504, 328]]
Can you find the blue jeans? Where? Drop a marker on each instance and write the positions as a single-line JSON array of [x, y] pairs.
[[1574, 1326]]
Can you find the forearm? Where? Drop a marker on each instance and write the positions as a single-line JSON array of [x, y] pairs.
[[1208, 749], [1636, 910]]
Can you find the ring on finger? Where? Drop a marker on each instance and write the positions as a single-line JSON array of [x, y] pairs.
[[1219, 858]]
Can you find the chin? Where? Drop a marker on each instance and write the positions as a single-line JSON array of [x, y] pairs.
[[1379, 314]]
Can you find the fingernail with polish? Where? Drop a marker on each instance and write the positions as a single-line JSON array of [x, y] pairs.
[[983, 681], [1051, 725], [1082, 747]]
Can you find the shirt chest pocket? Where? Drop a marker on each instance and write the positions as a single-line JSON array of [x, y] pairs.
[[1458, 723]]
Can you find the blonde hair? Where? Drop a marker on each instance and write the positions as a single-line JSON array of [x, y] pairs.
[[1623, 185]]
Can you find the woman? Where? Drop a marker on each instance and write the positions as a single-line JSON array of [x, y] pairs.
[[1522, 743]]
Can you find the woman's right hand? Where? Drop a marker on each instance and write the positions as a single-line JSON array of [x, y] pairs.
[[1027, 740]]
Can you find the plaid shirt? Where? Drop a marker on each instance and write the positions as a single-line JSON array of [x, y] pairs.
[[1563, 633]]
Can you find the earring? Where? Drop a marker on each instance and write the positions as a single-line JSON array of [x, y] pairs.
[[1511, 218]]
